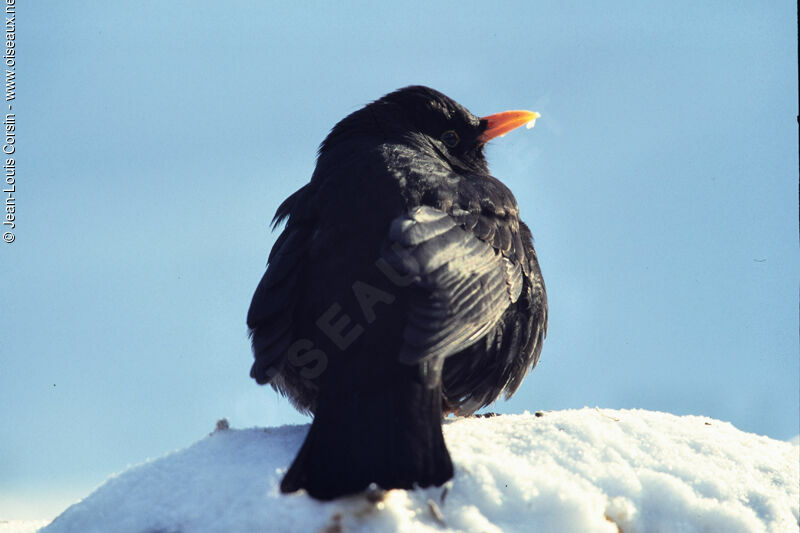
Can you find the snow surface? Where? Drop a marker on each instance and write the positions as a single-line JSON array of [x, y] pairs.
[[21, 526], [567, 471]]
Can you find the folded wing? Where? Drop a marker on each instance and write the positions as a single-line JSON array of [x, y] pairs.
[[462, 286]]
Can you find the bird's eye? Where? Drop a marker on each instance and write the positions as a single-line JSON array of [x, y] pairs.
[[450, 138]]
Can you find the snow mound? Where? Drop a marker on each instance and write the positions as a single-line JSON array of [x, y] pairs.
[[21, 526], [579, 470]]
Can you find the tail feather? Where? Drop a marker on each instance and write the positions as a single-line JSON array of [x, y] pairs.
[[390, 436]]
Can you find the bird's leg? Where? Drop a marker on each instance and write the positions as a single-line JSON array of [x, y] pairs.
[[448, 409]]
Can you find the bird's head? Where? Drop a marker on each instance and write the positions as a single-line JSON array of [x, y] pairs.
[[427, 120]]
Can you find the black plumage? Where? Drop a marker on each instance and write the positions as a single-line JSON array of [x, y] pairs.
[[402, 287]]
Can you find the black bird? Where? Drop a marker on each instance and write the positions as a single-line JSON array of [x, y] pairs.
[[403, 287]]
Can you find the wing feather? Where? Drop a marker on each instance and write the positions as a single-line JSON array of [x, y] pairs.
[[463, 284], [273, 304]]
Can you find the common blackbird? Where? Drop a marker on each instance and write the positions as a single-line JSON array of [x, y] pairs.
[[403, 287]]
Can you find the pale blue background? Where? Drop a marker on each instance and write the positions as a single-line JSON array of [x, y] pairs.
[[156, 139]]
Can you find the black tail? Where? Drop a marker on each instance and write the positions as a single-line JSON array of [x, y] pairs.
[[390, 435]]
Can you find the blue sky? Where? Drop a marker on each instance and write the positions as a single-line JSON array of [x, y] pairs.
[[154, 144]]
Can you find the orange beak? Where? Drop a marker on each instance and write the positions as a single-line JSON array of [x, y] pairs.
[[499, 124]]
